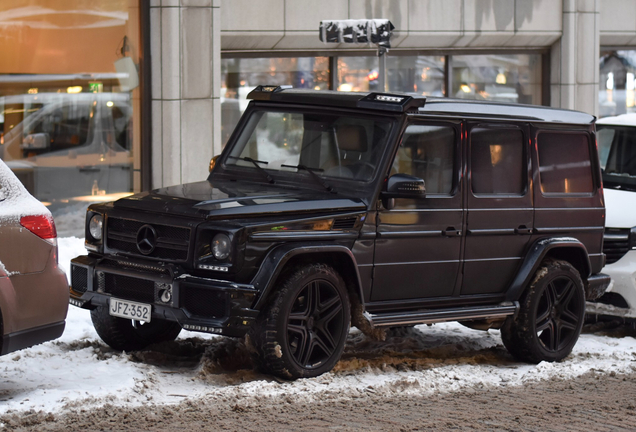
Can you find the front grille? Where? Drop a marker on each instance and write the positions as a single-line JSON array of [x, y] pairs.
[[203, 302], [79, 278], [615, 243], [345, 223], [172, 242], [127, 288]]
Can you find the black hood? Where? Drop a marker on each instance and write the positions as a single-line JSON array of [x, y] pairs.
[[226, 198]]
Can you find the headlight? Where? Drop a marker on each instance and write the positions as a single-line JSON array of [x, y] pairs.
[[221, 246], [95, 226]]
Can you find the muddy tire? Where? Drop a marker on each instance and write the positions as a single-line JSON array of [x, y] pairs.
[[551, 315], [127, 335], [302, 331]]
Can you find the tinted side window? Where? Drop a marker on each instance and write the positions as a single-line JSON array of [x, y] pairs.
[[428, 152], [497, 161], [564, 163]]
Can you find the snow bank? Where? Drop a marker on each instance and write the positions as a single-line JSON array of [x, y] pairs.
[[15, 200]]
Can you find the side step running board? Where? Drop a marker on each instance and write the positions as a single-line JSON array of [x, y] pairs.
[[442, 315]]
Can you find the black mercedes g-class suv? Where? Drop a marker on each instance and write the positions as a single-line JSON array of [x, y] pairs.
[[330, 209]]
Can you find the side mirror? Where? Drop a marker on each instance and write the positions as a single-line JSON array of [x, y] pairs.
[[38, 141], [402, 186], [213, 162]]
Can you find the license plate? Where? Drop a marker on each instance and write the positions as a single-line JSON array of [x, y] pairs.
[[131, 310]]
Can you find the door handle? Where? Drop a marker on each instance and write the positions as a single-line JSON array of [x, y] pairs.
[[451, 232], [523, 230]]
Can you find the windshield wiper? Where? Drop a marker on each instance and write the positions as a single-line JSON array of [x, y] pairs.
[[315, 176], [256, 163]]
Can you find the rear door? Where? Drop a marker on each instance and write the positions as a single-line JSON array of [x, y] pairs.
[[499, 203]]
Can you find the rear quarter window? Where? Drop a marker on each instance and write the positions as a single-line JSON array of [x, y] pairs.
[[564, 163]]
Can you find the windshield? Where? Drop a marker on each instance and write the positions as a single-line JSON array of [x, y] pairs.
[[328, 145], [617, 156]]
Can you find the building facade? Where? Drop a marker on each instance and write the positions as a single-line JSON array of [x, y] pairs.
[[107, 97]]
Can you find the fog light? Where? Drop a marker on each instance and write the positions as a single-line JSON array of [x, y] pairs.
[[165, 296]]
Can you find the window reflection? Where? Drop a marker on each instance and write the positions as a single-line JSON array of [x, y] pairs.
[[69, 101], [241, 75], [617, 83], [358, 74], [513, 78], [422, 75]]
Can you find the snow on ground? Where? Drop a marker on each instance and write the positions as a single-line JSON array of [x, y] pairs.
[[78, 371]]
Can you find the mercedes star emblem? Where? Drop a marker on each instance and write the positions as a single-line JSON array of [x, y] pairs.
[[146, 239]]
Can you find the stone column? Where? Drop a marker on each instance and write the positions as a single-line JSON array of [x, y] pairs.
[[574, 58], [186, 114]]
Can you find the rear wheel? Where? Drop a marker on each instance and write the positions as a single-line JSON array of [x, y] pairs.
[[127, 335], [302, 331], [551, 315]]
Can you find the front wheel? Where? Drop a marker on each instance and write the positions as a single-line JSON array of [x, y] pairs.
[[302, 331], [127, 335], [551, 315]]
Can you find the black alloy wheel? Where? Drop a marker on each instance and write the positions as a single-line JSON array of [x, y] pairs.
[[314, 324], [551, 315], [302, 331], [559, 314]]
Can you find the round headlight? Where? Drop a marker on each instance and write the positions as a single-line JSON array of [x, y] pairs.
[[95, 226], [221, 246]]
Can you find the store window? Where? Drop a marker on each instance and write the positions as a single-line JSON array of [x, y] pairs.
[[422, 75], [241, 75], [617, 83], [358, 74], [70, 102], [512, 78]]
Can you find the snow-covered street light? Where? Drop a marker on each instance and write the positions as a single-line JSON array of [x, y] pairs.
[[377, 31]]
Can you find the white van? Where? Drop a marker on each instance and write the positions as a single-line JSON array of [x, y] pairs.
[[69, 145], [617, 153]]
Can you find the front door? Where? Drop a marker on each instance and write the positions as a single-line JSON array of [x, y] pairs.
[[417, 250]]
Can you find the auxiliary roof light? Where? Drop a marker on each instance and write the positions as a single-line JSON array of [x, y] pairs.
[[385, 98]]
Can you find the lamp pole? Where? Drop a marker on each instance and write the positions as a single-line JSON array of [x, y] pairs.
[[382, 81]]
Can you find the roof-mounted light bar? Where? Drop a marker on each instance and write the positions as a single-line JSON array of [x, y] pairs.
[[387, 98], [391, 102], [263, 92]]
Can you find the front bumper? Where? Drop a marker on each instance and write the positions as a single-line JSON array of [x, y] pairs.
[[623, 274], [196, 303]]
